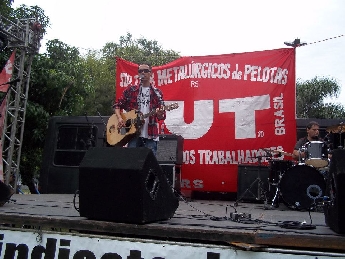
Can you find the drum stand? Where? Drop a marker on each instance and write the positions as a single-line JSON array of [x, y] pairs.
[[261, 189], [275, 200]]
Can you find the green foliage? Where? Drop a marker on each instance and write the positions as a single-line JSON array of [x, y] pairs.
[[58, 82], [7, 12], [311, 95], [25, 12], [101, 74], [5, 8], [22, 12], [63, 82], [139, 50], [33, 140], [101, 68]]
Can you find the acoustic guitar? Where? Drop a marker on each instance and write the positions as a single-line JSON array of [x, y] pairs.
[[133, 121]]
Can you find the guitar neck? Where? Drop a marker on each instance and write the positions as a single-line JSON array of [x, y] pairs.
[[153, 112], [165, 108]]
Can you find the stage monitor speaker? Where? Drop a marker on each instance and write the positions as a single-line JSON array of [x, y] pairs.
[[334, 208], [248, 187], [124, 185], [5, 193]]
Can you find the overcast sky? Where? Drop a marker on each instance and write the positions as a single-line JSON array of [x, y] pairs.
[[198, 28]]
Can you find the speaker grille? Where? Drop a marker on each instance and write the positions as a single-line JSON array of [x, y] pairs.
[[248, 187], [170, 149]]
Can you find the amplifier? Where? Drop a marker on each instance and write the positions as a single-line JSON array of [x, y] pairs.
[[248, 182], [170, 149]]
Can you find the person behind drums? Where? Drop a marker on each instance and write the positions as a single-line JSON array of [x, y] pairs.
[[313, 128]]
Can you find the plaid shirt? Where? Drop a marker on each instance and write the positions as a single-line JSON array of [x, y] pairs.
[[128, 101]]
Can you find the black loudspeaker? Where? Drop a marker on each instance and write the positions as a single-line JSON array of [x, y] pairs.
[[334, 208], [124, 185], [249, 188], [170, 149], [5, 193]]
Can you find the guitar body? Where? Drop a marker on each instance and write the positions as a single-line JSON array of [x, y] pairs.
[[120, 137]]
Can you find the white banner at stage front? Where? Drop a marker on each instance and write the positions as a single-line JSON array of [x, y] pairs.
[[39, 245]]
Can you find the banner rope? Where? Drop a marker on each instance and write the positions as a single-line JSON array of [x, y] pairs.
[[325, 39]]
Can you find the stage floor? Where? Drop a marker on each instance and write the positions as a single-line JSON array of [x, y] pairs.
[[198, 221]]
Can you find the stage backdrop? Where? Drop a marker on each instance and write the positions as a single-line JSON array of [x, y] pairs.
[[230, 108]]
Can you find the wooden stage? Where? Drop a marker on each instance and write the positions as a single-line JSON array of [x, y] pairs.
[[195, 221]]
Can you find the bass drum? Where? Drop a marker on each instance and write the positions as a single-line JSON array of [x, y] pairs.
[[302, 187]]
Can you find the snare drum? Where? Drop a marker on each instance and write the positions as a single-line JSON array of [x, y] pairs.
[[316, 154], [302, 186]]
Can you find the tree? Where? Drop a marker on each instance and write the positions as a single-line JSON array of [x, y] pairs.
[[101, 73], [311, 95], [5, 7], [63, 82], [59, 80], [58, 86], [101, 67], [32, 149]]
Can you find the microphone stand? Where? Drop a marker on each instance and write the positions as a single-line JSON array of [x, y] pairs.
[[91, 140], [105, 129]]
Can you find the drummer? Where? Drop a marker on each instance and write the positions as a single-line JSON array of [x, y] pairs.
[[312, 135]]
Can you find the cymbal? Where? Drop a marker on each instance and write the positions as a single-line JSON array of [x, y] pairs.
[[339, 128]]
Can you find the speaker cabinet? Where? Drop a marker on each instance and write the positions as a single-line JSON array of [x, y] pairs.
[[170, 149], [334, 208], [124, 185], [5, 193], [249, 188]]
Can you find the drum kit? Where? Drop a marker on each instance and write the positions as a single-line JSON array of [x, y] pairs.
[[300, 184]]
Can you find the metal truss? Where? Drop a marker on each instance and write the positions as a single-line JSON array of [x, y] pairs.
[[24, 36]]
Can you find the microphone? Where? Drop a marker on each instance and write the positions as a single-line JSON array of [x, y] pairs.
[[141, 77]]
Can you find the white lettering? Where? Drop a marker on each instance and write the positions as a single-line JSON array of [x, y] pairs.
[[244, 109]]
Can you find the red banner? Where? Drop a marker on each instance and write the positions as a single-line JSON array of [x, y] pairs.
[[231, 107]]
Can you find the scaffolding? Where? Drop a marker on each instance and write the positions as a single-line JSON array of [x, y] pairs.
[[24, 36]]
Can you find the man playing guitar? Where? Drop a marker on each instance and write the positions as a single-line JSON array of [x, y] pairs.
[[142, 99]]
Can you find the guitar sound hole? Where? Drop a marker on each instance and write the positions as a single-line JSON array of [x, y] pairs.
[[128, 125]]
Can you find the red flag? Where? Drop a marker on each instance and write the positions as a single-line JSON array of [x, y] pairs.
[[6, 73], [5, 76]]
